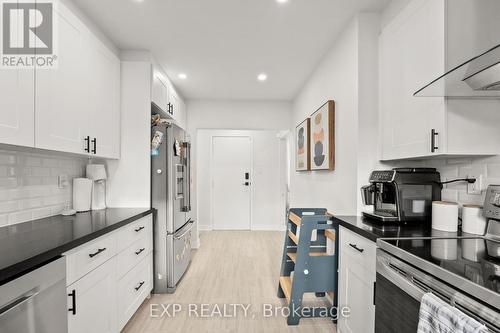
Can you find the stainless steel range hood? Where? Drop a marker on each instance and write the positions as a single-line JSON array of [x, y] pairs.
[[478, 77]]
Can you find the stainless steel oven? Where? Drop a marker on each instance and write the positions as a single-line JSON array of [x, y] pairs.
[[400, 287], [36, 301]]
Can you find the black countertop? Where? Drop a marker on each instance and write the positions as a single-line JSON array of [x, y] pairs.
[[27, 246], [374, 230]]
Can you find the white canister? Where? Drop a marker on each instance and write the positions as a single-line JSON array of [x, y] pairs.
[[473, 221], [445, 216], [82, 194]]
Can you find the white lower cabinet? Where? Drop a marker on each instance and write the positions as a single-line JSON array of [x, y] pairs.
[[356, 282], [91, 306], [109, 281]]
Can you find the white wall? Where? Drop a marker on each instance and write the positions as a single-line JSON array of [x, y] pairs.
[[348, 74], [267, 207], [237, 114], [228, 115], [129, 183]]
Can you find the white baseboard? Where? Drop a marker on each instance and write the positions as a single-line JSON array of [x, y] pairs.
[[204, 228], [267, 228]]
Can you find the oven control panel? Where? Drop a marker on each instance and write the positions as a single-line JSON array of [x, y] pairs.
[[492, 202], [385, 176]]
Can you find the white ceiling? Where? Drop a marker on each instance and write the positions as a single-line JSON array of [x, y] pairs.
[[223, 44]]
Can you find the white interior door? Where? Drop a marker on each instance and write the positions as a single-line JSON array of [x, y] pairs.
[[231, 198]]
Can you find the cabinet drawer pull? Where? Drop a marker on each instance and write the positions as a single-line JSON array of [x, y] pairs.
[[139, 229], [139, 286], [140, 251], [73, 302], [92, 255], [87, 140], [354, 246]]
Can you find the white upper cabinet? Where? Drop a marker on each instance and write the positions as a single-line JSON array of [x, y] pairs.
[[103, 109], [73, 107], [414, 50], [164, 96], [16, 103], [17, 107], [60, 112], [160, 92]]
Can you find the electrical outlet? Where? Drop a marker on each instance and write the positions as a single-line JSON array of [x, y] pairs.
[[63, 180], [477, 187]]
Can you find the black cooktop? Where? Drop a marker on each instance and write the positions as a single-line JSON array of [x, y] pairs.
[[476, 259]]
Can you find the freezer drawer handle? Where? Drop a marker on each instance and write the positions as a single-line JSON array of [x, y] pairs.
[[92, 255], [354, 246], [140, 251], [139, 286], [185, 232], [73, 302], [139, 229]]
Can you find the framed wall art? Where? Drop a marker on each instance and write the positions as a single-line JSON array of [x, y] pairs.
[[322, 138], [302, 152]]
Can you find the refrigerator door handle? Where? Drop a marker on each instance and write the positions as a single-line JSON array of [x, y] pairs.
[[187, 180]]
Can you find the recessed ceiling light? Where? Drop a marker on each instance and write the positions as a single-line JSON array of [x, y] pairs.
[[182, 76], [281, 1], [262, 77]]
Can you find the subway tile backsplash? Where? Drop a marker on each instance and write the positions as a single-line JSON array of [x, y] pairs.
[[460, 168], [29, 184]]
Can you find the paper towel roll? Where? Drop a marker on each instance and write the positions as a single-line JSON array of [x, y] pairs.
[[473, 221], [82, 194], [445, 216]]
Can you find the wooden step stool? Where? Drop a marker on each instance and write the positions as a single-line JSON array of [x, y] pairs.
[[314, 270]]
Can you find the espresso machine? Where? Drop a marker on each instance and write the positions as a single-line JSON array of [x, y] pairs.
[[97, 173], [402, 194]]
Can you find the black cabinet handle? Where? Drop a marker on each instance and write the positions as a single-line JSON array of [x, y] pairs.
[[87, 140], [433, 140], [92, 255], [73, 302], [354, 246], [140, 251], [139, 286], [94, 143], [139, 229]]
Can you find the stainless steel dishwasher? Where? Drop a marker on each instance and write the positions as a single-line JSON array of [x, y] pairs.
[[36, 301]]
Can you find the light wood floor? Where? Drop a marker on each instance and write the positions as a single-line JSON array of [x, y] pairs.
[[239, 267]]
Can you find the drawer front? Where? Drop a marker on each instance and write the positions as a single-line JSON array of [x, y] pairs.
[[88, 257], [133, 255], [359, 248], [131, 233], [133, 288]]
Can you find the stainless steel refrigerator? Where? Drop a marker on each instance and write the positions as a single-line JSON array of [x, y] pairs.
[[170, 185]]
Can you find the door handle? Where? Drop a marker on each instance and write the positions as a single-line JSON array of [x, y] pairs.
[[140, 251], [94, 143], [246, 183], [73, 302], [139, 229], [433, 140], [87, 140]]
